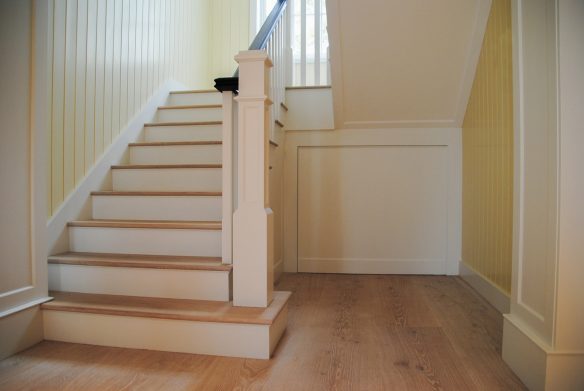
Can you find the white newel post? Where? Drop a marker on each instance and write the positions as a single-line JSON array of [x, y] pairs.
[[227, 177], [253, 219]]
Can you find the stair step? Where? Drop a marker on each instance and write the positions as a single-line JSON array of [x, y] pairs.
[[194, 97], [193, 113], [173, 143], [176, 309], [202, 278], [136, 205], [176, 152], [185, 238], [163, 166], [183, 131], [140, 261], [176, 177], [158, 193], [159, 224], [188, 326]]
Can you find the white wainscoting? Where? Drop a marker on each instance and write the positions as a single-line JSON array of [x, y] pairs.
[[372, 201]]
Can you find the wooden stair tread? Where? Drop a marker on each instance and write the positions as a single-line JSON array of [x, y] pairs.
[[283, 105], [140, 261], [172, 143], [163, 166], [182, 107], [176, 309], [207, 225], [280, 124], [184, 123], [194, 92], [159, 193]]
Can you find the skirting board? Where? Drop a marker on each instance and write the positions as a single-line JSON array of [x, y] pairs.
[[538, 366], [493, 294], [372, 266], [77, 205], [20, 330]]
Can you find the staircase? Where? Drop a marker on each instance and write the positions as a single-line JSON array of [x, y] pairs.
[[147, 272]]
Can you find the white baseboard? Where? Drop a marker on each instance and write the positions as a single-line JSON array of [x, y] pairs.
[[372, 266], [540, 367], [78, 204], [493, 294], [20, 330]]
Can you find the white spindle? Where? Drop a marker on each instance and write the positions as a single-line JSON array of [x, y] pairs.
[[227, 178], [316, 42], [303, 42]]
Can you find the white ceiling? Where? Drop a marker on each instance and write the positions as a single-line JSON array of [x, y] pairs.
[[404, 63]]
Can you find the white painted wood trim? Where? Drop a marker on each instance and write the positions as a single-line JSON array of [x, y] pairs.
[[36, 288], [253, 219], [221, 339], [472, 59], [336, 72], [227, 178], [538, 365], [24, 306], [77, 205], [490, 292], [372, 137], [23, 328]]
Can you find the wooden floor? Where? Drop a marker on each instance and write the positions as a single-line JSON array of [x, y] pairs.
[[344, 333]]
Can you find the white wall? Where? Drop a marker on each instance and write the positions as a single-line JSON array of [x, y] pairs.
[[399, 64], [23, 105]]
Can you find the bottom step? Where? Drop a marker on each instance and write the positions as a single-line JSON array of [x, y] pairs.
[[173, 325]]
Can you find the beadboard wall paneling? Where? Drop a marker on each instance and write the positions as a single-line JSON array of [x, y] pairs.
[[108, 58], [487, 215]]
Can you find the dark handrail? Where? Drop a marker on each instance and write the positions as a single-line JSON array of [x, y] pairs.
[[260, 42]]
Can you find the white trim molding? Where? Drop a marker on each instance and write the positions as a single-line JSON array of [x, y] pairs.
[[538, 365], [492, 293], [450, 138]]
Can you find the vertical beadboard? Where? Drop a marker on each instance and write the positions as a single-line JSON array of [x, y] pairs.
[[487, 136], [108, 58], [229, 34]]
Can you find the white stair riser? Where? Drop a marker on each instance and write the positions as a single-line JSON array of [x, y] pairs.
[[221, 339], [199, 98], [169, 179], [183, 133], [194, 115], [185, 208], [167, 283], [151, 241], [176, 154]]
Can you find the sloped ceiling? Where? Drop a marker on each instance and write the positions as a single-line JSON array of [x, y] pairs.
[[403, 63]]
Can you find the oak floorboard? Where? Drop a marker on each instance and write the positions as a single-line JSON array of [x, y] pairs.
[[345, 332]]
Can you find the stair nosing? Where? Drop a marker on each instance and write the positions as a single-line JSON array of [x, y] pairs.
[[194, 92], [186, 107], [147, 224], [139, 262], [172, 143], [225, 311], [159, 193], [183, 123], [162, 166]]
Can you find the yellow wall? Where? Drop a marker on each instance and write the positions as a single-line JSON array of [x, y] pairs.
[[229, 33], [108, 58], [488, 156]]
